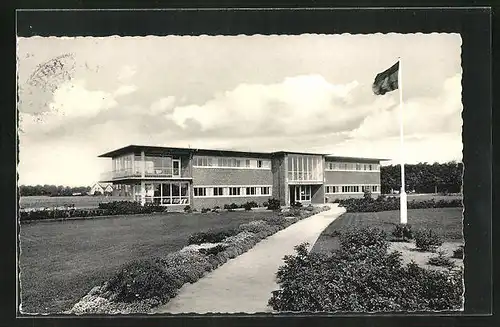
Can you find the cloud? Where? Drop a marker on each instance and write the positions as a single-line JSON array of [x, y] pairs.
[[126, 72], [162, 105], [420, 115], [71, 102], [299, 104], [124, 90], [437, 147]]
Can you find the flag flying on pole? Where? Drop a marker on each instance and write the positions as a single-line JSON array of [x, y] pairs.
[[386, 81]]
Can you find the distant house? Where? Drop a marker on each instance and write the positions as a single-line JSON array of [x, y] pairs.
[[101, 189]]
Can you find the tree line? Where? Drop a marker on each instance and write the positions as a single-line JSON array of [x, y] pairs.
[[423, 177], [51, 190]]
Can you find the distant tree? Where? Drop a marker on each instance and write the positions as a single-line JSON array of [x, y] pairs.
[[51, 190], [423, 177]]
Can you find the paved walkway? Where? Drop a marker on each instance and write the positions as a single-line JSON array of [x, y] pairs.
[[244, 284]]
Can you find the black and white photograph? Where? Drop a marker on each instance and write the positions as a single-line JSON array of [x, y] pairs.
[[240, 174]]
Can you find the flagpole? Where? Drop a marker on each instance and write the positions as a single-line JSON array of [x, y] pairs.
[[402, 193]]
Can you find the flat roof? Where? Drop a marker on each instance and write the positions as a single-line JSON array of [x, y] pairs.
[[334, 157], [165, 150], [151, 150]]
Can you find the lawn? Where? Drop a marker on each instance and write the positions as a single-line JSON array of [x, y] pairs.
[[84, 201], [445, 221], [429, 196], [61, 261]]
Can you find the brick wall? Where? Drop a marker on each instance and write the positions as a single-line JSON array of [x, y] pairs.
[[228, 176], [351, 177]]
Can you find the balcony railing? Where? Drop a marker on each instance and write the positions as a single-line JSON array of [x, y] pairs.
[[149, 172]]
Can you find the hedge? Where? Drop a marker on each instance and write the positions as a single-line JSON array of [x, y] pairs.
[[383, 203], [362, 276], [104, 209], [141, 285]]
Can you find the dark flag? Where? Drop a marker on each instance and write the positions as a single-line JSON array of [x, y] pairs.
[[386, 81]]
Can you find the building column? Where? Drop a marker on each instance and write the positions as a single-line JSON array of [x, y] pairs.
[[143, 165], [143, 175], [143, 193]]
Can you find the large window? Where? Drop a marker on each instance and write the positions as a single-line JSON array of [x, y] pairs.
[[305, 168], [218, 191], [331, 189], [351, 166], [200, 191], [226, 162], [234, 191], [158, 165], [265, 190], [251, 190], [164, 193]]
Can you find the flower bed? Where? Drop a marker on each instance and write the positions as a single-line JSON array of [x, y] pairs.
[[383, 203], [104, 209], [141, 285], [362, 276]]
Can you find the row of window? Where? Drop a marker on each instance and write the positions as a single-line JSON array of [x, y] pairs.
[[352, 166], [231, 162], [306, 168], [331, 189], [232, 191]]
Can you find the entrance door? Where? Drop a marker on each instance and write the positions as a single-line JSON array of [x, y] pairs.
[[176, 168], [300, 193]]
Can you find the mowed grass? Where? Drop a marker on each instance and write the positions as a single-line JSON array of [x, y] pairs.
[[447, 222], [430, 196], [61, 261], [29, 202]]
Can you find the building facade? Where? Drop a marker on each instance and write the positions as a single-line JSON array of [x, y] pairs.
[[203, 178]]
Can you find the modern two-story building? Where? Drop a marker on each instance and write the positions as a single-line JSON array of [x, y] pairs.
[[205, 178]]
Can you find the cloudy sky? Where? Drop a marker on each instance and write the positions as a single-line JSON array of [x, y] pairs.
[[307, 93]]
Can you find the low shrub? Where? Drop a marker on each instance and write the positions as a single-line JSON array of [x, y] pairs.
[[354, 239], [383, 203], [188, 209], [213, 236], [141, 280], [294, 212], [275, 220], [427, 240], [374, 282], [231, 206], [458, 253], [213, 250], [441, 261], [205, 210], [256, 226], [265, 204], [296, 205], [104, 209], [273, 204], [248, 206], [309, 208], [402, 232]]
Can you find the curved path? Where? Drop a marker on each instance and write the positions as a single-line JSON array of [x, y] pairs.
[[245, 283]]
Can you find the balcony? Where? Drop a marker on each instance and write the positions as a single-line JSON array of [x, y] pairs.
[[151, 172]]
